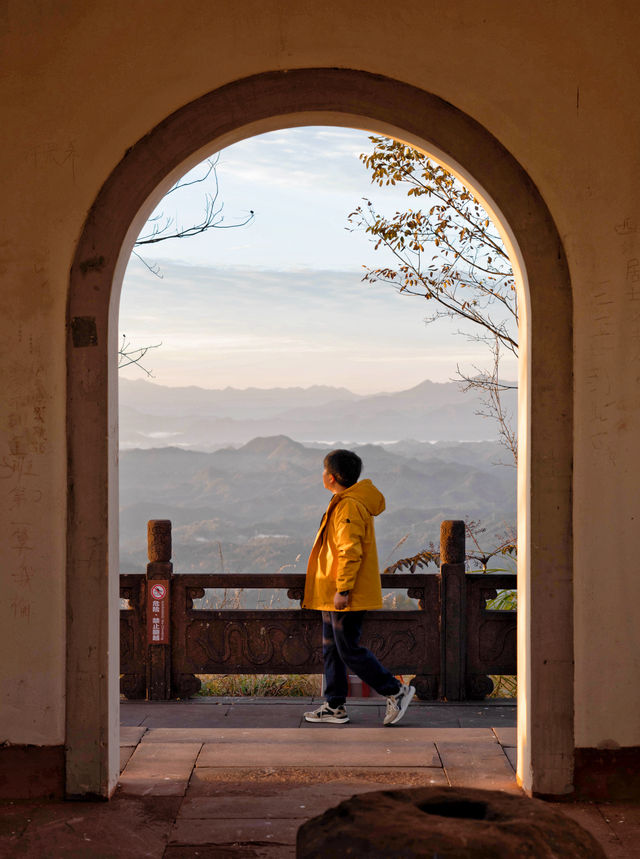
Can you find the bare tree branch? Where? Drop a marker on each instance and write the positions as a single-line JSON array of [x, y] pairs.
[[154, 269], [128, 355], [490, 388], [507, 545], [162, 228]]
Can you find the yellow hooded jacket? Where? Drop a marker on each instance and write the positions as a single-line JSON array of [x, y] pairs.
[[344, 556]]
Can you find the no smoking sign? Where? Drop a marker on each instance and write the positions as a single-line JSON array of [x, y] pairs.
[[158, 613], [158, 592]]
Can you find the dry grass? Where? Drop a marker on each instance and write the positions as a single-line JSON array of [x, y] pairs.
[[261, 685], [305, 685]]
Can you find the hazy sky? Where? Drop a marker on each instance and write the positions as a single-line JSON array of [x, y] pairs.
[[281, 302]]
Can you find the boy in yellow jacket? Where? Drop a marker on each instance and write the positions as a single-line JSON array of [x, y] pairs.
[[343, 582]]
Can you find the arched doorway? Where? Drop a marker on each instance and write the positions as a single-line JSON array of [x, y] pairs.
[[240, 109]]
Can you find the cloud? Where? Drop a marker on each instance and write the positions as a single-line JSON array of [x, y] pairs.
[[282, 301], [237, 343], [251, 326], [301, 183], [322, 159]]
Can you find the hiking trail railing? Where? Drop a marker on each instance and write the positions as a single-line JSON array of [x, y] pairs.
[[451, 644]]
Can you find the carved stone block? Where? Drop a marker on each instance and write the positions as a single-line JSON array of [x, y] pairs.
[[450, 823], [497, 642]]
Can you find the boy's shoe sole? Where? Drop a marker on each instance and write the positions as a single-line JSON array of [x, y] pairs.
[[332, 719]]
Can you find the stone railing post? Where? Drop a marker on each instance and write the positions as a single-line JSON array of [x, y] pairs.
[[159, 575], [453, 611]]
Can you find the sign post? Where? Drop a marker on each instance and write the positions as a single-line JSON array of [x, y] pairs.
[[453, 618], [159, 575]]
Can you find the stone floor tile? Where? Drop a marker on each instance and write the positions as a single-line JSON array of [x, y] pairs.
[[159, 769], [311, 755], [239, 716], [172, 716], [432, 717], [182, 735], [589, 817], [329, 733], [303, 805], [234, 831], [133, 714], [303, 801], [251, 712], [326, 746], [131, 735], [615, 825], [15, 816], [479, 764], [131, 828], [269, 781], [16, 813], [499, 717], [418, 735], [125, 754], [624, 820], [192, 720], [480, 722], [506, 736], [512, 756], [240, 851], [280, 800]]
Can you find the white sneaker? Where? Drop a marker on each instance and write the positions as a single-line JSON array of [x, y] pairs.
[[325, 713], [397, 704]]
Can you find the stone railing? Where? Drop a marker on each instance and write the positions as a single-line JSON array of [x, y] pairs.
[[451, 643]]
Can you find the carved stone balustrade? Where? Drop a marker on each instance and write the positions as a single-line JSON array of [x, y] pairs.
[[449, 644]]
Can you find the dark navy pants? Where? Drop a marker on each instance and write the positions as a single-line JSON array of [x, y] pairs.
[[341, 651]]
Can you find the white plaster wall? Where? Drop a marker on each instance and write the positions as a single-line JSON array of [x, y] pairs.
[[557, 83]]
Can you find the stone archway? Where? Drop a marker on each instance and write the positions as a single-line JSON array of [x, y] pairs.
[[148, 169]]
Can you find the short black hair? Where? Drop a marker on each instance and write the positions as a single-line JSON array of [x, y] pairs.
[[344, 465]]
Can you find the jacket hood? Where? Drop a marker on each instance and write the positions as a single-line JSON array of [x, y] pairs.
[[367, 494]]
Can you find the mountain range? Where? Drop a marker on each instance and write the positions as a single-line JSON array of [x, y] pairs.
[[203, 419]]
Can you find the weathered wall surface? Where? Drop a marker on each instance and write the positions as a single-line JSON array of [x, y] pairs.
[[557, 84]]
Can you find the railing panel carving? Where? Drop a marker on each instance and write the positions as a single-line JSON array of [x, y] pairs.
[[133, 679], [492, 648], [289, 641], [216, 643], [497, 644]]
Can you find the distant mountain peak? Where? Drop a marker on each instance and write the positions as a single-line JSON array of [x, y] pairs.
[[142, 384], [272, 445], [208, 419]]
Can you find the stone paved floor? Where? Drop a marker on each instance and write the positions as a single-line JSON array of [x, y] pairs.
[[236, 777]]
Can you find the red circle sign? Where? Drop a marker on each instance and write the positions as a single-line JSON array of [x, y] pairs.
[[158, 592]]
